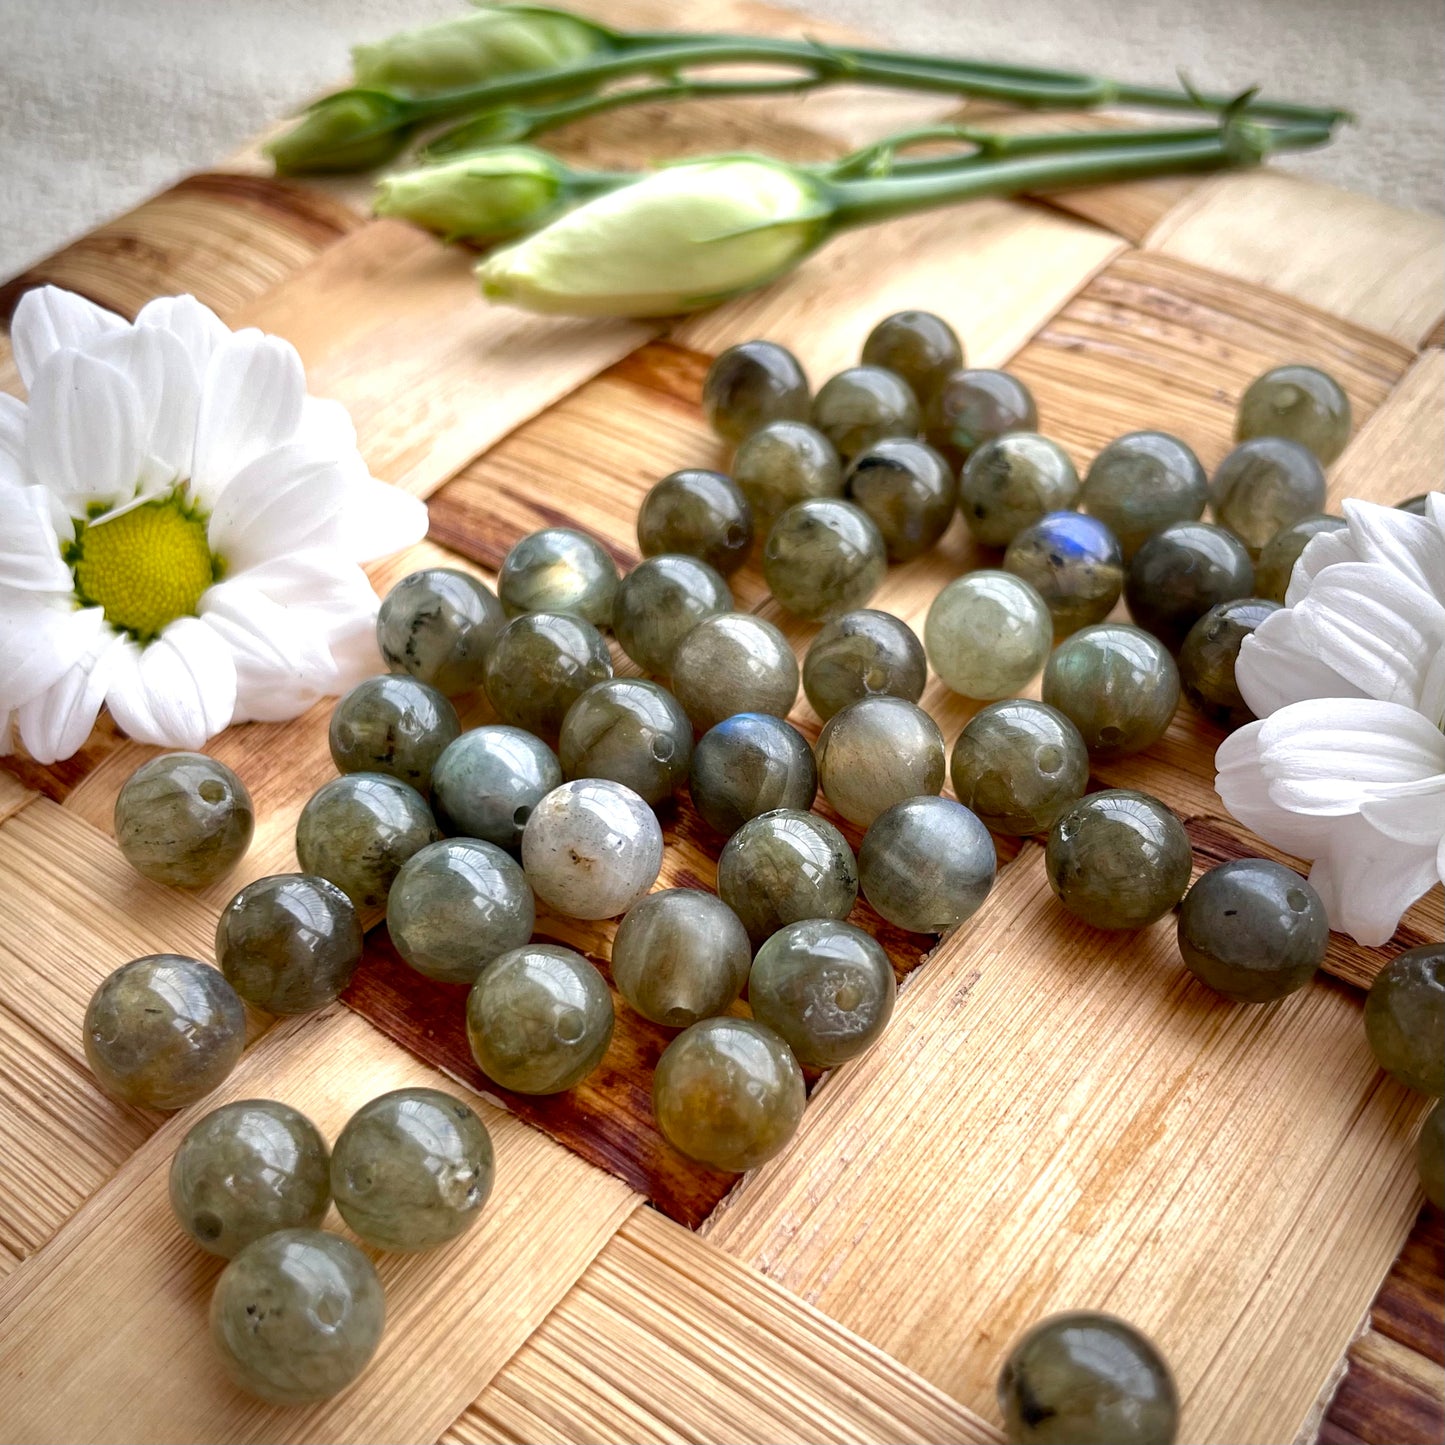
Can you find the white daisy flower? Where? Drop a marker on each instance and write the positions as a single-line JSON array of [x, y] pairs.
[[181, 529], [1347, 765]]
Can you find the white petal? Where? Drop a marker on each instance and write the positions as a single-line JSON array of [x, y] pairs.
[[39, 643], [176, 692], [29, 548], [326, 588], [1409, 545], [1244, 789], [1367, 881], [381, 519], [48, 320], [158, 366], [1275, 668], [55, 724], [13, 414], [1413, 813], [194, 325], [326, 423]]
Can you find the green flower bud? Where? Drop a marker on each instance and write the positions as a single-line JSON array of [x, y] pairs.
[[686, 236], [352, 130], [504, 126]]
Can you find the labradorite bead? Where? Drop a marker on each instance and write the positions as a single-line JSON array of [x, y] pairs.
[[1417, 506], [289, 943], [455, 906], [1430, 1156], [875, 753], [1302, 403], [783, 463], [591, 848], [412, 1170], [752, 384], [539, 1019], [1085, 1378], [559, 570], [680, 956], [700, 514], [1019, 765], [858, 407], [358, 829], [987, 633], [1141, 483], [823, 558], [728, 1093], [163, 1031], [630, 731], [438, 625], [1207, 659], [863, 654], [747, 765], [1275, 567], [918, 346], [183, 819], [1118, 859], [825, 987], [926, 864], [486, 784], [1265, 484], [246, 1170], [733, 663], [297, 1316], [784, 866], [908, 491], [974, 406], [660, 601], [1252, 930], [1405, 1018], [1180, 573], [1074, 563], [1012, 482], [1116, 684], [540, 665], [394, 725]]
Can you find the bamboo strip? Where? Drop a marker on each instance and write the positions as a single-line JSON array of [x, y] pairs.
[[1400, 451], [13, 796], [1390, 1393]]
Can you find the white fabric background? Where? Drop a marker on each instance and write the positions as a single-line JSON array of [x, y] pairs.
[[102, 102]]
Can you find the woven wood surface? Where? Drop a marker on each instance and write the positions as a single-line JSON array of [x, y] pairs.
[[1057, 1117]]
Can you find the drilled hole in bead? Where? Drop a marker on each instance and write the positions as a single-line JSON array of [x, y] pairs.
[[571, 1025], [328, 1311], [358, 1181], [208, 1225], [875, 679], [1049, 758], [662, 749], [735, 534], [1109, 736], [1297, 900], [848, 997], [678, 1018], [212, 791], [520, 816]]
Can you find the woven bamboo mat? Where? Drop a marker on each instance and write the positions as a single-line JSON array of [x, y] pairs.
[[1056, 1117]]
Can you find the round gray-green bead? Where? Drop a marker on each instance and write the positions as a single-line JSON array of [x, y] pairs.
[[823, 558], [971, 406], [875, 753], [392, 724], [1011, 482], [1265, 484], [782, 463], [861, 654], [248, 1169], [908, 490], [918, 346], [438, 625], [1405, 1018], [987, 633], [540, 665], [558, 570], [1275, 567], [862, 405], [1141, 483], [1180, 573], [660, 601], [1116, 684], [1303, 403], [1074, 563], [183, 819], [487, 782], [747, 765], [927, 864], [1208, 657], [699, 513], [733, 663], [1430, 1156], [630, 731], [751, 384]]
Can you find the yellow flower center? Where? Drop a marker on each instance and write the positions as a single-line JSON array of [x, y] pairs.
[[145, 568]]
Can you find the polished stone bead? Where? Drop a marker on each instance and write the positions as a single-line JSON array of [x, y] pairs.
[[1303, 403], [539, 1019], [1405, 1018], [438, 625], [926, 864], [987, 634], [918, 346], [750, 385], [183, 819], [486, 784], [412, 1170], [728, 1093], [1020, 765], [1074, 563], [733, 663], [163, 1031], [457, 905], [1118, 859], [747, 765], [630, 731], [1180, 573], [357, 830], [1430, 1156], [699, 514], [1085, 1378], [863, 654], [1141, 483], [540, 665], [289, 943], [784, 866], [1252, 930], [823, 558], [908, 490], [394, 725], [248, 1169], [559, 570], [1207, 659], [1116, 684], [1275, 567], [1012, 482], [974, 406], [297, 1316], [783, 463], [1417, 506], [1265, 484], [861, 406], [660, 601], [591, 848], [680, 956], [875, 753]]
